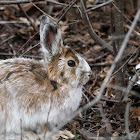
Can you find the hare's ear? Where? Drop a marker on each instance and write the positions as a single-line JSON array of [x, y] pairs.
[[50, 37]]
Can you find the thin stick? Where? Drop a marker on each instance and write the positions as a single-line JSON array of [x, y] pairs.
[[135, 32], [29, 49], [67, 10], [90, 29], [100, 5], [62, 11], [6, 40], [20, 7], [21, 128], [127, 110], [38, 8], [105, 120], [112, 30], [123, 90], [28, 1], [42, 11], [27, 42], [30, 56], [14, 22], [126, 61], [124, 15]]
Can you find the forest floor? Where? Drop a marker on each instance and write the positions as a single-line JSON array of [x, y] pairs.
[[18, 38]]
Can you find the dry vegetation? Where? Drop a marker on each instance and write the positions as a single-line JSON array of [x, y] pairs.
[[109, 117]]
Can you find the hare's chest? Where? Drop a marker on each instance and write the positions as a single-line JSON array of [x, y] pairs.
[[67, 107]]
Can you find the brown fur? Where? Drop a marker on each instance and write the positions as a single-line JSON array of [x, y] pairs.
[[52, 68], [40, 75], [69, 53]]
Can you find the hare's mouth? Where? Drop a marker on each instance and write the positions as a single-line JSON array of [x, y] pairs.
[[84, 79]]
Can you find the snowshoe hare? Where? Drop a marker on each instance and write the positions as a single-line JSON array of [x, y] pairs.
[[33, 92]]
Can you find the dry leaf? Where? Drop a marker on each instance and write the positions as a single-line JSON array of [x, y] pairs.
[[134, 112], [109, 58]]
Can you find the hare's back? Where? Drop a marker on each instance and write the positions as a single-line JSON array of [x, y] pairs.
[[26, 75], [17, 65]]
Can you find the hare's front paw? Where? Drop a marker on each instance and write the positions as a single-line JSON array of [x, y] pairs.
[[29, 135], [65, 134], [60, 134]]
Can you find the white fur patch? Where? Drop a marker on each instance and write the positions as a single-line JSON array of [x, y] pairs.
[[137, 66], [138, 82], [83, 64], [55, 113], [70, 104]]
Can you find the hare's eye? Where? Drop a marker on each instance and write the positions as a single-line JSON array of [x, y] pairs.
[[71, 63]]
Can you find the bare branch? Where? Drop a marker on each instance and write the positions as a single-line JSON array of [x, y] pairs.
[[123, 89], [127, 110], [27, 42], [13, 22], [90, 29], [136, 135], [100, 5], [69, 7], [124, 15], [28, 1], [30, 56], [105, 120], [29, 49], [39, 9], [129, 87], [119, 34], [6, 40], [126, 61], [20, 7], [17, 2]]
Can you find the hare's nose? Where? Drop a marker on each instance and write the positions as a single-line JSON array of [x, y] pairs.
[[89, 74]]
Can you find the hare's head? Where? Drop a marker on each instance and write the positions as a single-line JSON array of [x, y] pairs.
[[64, 65]]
